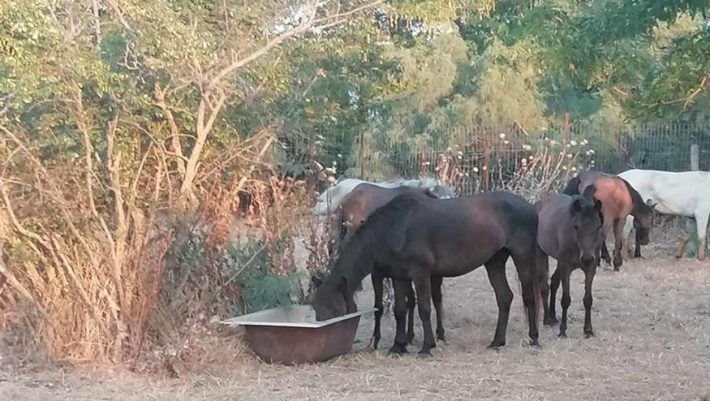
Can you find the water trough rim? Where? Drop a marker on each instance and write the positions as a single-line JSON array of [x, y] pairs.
[[252, 319]]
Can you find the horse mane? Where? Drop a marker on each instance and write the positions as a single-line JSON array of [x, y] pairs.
[[636, 198], [372, 241]]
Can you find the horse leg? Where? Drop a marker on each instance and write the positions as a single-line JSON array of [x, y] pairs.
[[618, 228], [495, 268], [637, 247], [423, 287], [554, 285], [401, 287], [628, 227], [411, 302], [566, 272], [377, 289], [528, 274], [605, 253], [543, 264], [701, 220], [588, 280], [684, 238], [436, 297]]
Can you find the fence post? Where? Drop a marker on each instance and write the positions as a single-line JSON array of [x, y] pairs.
[[486, 161], [361, 156], [565, 131], [422, 160], [694, 157]]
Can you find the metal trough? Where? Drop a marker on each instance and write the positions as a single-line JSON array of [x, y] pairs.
[[291, 335]]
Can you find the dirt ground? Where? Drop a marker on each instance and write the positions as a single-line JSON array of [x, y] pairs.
[[652, 324]]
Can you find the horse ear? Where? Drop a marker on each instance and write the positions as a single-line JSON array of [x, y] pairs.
[[316, 281], [577, 206]]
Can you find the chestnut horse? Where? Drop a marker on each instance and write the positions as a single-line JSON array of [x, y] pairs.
[[354, 209], [619, 199], [569, 230], [415, 237]]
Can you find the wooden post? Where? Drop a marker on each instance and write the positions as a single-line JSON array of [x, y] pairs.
[[486, 161], [422, 160], [565, 131], [692, 231], [694, 157], [361, 156]]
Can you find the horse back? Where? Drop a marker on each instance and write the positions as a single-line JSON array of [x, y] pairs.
[[614, 195]]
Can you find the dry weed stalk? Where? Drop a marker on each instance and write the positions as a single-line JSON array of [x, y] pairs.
[[449, 169], [547, 168]]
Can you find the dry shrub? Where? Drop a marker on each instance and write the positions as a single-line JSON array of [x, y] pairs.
[[449, 168], [79, 251], [85, 251], [547, 168]]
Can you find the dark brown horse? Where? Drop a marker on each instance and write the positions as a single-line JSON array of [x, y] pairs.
[[569, 230], [415, 237], [619, 199], [355, 208]]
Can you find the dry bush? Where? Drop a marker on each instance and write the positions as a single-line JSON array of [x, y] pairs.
[[548, 167], [85, 242], [449, 168]]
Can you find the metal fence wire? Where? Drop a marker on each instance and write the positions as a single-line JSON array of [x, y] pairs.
[[474, 159]]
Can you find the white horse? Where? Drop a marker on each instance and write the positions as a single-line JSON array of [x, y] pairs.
[[329, 200], [685, 193]]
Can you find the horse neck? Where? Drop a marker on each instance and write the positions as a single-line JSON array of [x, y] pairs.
[[637, 203], [354, 263]]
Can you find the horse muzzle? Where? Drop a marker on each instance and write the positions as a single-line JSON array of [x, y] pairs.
[[587, 261]]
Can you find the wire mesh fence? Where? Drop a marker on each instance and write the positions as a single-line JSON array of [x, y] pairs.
[[474, 159]]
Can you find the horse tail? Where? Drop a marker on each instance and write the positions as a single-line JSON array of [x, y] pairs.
[[572, 187]]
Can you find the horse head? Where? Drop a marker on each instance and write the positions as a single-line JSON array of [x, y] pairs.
[[588, 221], [332, 297], [642, 220]]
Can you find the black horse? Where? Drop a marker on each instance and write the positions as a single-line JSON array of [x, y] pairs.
[[569, 230], [415, 237], [355, 208]]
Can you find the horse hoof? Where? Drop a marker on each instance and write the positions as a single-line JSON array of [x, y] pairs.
[[588, 334], [424, 354], [550, 322], [562, 335], [440, 337], [496, 345], [410, 339], [398, 349], [535, 343]]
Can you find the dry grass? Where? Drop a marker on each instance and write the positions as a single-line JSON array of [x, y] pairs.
[[652, 322]]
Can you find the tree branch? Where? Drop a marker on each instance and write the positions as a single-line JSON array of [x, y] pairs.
[[696, 92], [320, 23]]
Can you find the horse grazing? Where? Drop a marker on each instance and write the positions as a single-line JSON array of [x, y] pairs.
[[619, 200], [415, 237], [355, 208], [569, 230], [684, 193], [329, 200]]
